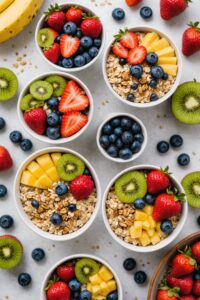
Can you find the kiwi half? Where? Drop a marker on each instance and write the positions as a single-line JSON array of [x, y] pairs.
[[69, 167], [45, 38], [131, 186], [186, 103], [191, 185], [8, 84], [28, 102], [41, 90], [85, 268], [58, 84], [11, 252]]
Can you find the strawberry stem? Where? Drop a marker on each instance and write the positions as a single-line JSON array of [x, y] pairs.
[[89, 16], [177, 195], [121, 33], [166, 171], [188, 252], [52, 8], [194, 25], [50, 282], [171, 291]]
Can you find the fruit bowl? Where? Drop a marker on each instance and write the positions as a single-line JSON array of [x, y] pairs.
[[102, 276], [71, 66], [131, 208], [137, 82], [72, 104], [57, 193]]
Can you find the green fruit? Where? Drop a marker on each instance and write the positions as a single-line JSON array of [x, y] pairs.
[[69, 167], [28, 102], [45, 38], [41, 90], [8, 84], [11, 252], [85, 268], [131, 186], [186, 103], [191, 185], [58, 84]]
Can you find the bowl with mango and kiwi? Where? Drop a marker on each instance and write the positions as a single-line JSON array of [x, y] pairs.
[[87, 275], [55, 107], [144, 208], [57, 193]]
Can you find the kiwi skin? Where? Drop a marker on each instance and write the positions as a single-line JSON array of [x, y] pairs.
[[191, 185], [8, 84], [91, 265], [13, 242], [75, 166]]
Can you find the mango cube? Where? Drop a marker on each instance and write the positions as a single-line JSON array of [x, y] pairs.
[[105, 274], [53, 174], [95, 279], [104, 288], [135, 233], [148, 209], [89, 287], [144, 239], [167, 61], [169, 51], [146, 225], [161, 44], [112, 286], [140, 215], [150, 232], [28, 178], [55, 157], [35, 169], [170, 69], [155, 239], [96, 290], [45, 161], [45, 181], [151, 222]]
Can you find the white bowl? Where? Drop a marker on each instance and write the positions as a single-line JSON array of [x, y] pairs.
[[165, 242], [75, 256], [120, 160], [40, 25], [44, 138], [25, 217], [167, 95]]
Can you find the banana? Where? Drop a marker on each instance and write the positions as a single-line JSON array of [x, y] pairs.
[[4, 4]]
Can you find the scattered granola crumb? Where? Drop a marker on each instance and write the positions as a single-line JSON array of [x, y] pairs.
[[15, 65]]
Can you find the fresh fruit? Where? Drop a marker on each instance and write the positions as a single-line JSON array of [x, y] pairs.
[[38, 254], [81, 187], [24, 279], [8, 84], [6, 221], [176, 141], [74, 285], [11, 251], [172, 8], [72, 207], [196, 251], [91, 26], [4, 4], [168, 294], [163, 146], [85, 268], [157, 72], [52, 53], [196, 288], [35, 204], [118, 14], [137, 55], [129, 264], [69, 167], [72, 122], [127, 39], [146, 12], [149, 40], [131, 186], [183, 264], [28, 102], [185, 283], [5, 159], [65, 272], [56, 219], [85, 295], [69, 45], [183, 159], [140, 277], [191, 39], [3, 190], [188, 297], [152, 58], [55, 157], [154, 97], [139, 203], [55, 17], [46, 37], [58, 291], [15, 136], [158, 180], [61, 189], [53, 119], [75, 15], [149, 199], [52, 103], [36, 120], [70, 28], [53, 133], [132, 2], [119, 50], [136, 71], [41, 90], [2, 123], [58, 83]]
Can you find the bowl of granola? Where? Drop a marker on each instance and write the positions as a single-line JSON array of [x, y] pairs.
[[57, 193], [144, 208], [142, 66]]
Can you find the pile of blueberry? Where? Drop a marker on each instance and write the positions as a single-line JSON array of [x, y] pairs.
[[121, 137]]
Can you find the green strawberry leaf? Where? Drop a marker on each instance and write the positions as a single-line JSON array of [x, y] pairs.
[[121, 33], [177, 195], [89, 16], [52, 8], [174, 292], [194, 25], [166, 171], [50, 282]]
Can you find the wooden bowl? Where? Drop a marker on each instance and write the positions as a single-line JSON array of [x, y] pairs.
[[162, 267]]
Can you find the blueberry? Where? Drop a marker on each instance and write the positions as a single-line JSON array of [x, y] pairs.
[[139, 203], [163, 146], [3, 190], [72, 207], [196, 275], [53, 133], [153, 83], [24, 279], [139, 137], [122, 61], [149, 199], [125, 153], [127, 137], [136, 128], [176, 141], [79, 33], [152, 58], [135, 86], [75, 296], [118, 131], [146, 12], [79, 61], [135, 147], [140, 277], [15, 136], [26, 145], [74, 285], [57, 39], [166, 226], [70, 28], [97, 43], [80, 50], [112, 151], [53, 119], [130, 97], [87, 172], [6, 222], [104, 141], [118, 14], [112, 138], [198, 220], [56, 219], [183, 159], [119, 143], [52, 103], [136, 71], [107, 129], [126, 123], [61, 189], [87, 57], [153, 97], [112, 296], [38, 254], [35, 203], [2, 123], [165, 76], [86, 42], [93, 52], [157, 72], [85, 295], [129, 264], [60, 61], [68, 63], [115, 122]]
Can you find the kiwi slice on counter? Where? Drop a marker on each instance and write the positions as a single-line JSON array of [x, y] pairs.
[[45, 38], [41, 90], [131, 186], [85, 268], [191, 185], [11, 251], [8, 84], [186, 103], [70, 166], [58, 84], [28, 102]]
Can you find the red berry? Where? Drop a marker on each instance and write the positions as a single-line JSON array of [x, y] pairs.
[[182, 264], [172, 8], [69, 45], [157, 181], [91, 26], [128, 39], [36, 120], [185, 283], [167, 295], [137, 55], [81, 187], [5, 159], [196, 288], [196, 251], [53, 53], [59, 291], [55, 18], [72, 122], [75, 15], [66, 273], [119, 50], [191, 39]]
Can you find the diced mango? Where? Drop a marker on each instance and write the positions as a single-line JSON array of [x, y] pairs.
[[55, 157], [158, 230], [45, 161], [53, 174], [135, 233], [149, 39], [146, 225], [144, 239], [169, 51], [155, 239], [45, 181], [140, 215], [89, 287], [170, 69], [151, 232], [95, 279], [161, 44], [28, 178], [151, 222], [105, 274], [167, 61], [112, 286], [148, 209], [104, 288], [138, 224], [35, 169], [96, 290]]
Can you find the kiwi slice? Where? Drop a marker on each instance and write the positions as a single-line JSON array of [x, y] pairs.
[[186, 103], [8, 84], [69, 167], [131, 186], [11, 252], [85, 268], [45, 38], [28, 102], [191, 185], [58, 84], [41, 90]]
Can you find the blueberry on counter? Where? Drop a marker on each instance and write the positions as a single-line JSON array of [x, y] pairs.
[[118, 14], [140, 277], [3, 190], [129, 264], [15, 136], [56, 219], [61, 189], [183, 159], [26, 145], [146, 12], [38, 254], [163, 146], [2, 123], [176, 141], [24, 279], [167, 227], [6, 221]]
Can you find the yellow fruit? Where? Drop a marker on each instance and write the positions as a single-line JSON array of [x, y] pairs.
[[155, 239], [148, 209], [96, 290], [158, 230], [149, 39], [167, 61], [150, 232], [53, 174], [89, 287], [45, 181], [135, 233], [170, 69], [146, 225], [169, 52], [95, 279], [28, 178], [140, 215], [35, 169], [17, 16], [104, 288], [4, 4], [144, 239], [105, 274], [151, 222], [112, 286], [45, 161], [55, 157], [161, 44]]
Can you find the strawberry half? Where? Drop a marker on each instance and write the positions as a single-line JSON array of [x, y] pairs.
[[53, 53], [183, 264], [36, 120], [91, 26], [158, 180], [191, 39], [127, 39], [185, 283], [72, 122], [55, 17], [5, 159], [196, 251], [119, 50], [137, 55], [69, 45], [75, 15]]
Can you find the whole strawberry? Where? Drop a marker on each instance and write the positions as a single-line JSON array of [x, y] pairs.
[[168, 294], [132, 2], [53, 53], [36, 120], [5, 159], [196, 288], [185, 283], [55, 17], [191, 39], [183, 264], [196, 251], [81, 187], [75, 15], [188, 297], [66, 273], [58, 291], [172, 8], [91, 26], [158, 181]]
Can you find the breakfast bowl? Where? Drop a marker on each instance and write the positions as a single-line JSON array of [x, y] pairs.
[[55, 107], [121, 137], [57, 193], [144, 208], [89, 276], [142, 66], [70, 37]]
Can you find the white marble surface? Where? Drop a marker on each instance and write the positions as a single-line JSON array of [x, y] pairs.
[[160, 124]]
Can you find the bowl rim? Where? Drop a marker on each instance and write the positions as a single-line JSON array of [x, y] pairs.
[[133, 117], [178, 77], [163, 243], [62, 69], [81, 255], [43, 138], [25, 217]]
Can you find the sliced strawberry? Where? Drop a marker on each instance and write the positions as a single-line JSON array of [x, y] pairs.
[[137, 55], [72, 122], [53, 53], [127, 39], [119, 50], [69, 45]]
